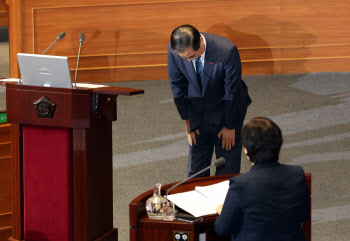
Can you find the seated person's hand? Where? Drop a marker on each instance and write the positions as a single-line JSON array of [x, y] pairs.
[[218, 209]]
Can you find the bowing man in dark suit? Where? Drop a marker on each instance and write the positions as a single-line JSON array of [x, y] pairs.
[[271, 200], [205, 77]]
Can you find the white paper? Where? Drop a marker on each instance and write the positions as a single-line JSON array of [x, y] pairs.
[[203, 200], [10, 80], [216, 192], [90, 86], [194, 203], [80, 85]]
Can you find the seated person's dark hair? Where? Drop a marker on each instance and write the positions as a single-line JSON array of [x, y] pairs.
[[183, 37], [262, 139]]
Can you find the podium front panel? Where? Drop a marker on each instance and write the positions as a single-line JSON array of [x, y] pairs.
[[47, 183]]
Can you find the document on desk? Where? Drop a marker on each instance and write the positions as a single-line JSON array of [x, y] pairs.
[[203, 200], [10, 80], [90, 86]]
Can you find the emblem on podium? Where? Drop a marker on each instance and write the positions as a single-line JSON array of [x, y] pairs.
[[44, 107]]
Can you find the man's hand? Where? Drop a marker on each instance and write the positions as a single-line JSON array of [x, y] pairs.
[[191, 136], [227, 137], [219, 209]]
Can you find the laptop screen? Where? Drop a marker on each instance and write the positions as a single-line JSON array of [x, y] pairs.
[[44, 70]]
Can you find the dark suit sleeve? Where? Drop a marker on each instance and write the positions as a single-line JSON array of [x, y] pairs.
[[233, 89], [229, 220], [179, 86], [305, 197]]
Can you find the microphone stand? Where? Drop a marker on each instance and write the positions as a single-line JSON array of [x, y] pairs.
[[59, 37], [50, 46], [76, 69], [219, 162], [81, 39]]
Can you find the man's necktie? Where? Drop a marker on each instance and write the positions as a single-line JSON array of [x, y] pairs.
[[199, 68]]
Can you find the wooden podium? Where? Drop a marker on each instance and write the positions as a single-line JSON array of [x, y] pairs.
[[144, 229], [62, 161]]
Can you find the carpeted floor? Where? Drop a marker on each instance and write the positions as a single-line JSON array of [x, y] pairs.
[[313, 111], [4, 59]]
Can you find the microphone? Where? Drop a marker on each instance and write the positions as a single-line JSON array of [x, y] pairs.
[[59, 37], [81, 39], [217, 163]]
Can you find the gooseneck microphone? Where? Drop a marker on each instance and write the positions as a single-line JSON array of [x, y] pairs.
[[81, 39], [59, 37], [217, 163]]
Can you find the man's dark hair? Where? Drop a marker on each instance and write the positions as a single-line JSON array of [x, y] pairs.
[[263, 140], [183, 37]]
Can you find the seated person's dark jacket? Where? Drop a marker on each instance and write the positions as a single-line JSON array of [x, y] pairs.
[[267, 203]]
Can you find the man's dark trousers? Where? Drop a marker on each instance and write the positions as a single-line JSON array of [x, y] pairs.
[[200, 155]]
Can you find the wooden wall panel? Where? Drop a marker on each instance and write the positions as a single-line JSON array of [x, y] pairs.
[[127, 40], [5, 233], [124, 73], [294, 66], [5, 182], [3, 14], [5, 185], [290, 60]]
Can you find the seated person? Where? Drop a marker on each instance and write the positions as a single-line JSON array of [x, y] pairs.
[[271, 200]]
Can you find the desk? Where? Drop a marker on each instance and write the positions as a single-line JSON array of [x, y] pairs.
[[144, 229]]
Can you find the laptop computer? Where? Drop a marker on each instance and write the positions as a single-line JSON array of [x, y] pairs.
[[44, 70]]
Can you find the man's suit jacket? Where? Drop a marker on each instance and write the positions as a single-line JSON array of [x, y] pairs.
[[224, 95], [267, 203]]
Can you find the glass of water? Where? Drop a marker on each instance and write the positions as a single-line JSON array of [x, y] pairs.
[[168, 211]]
